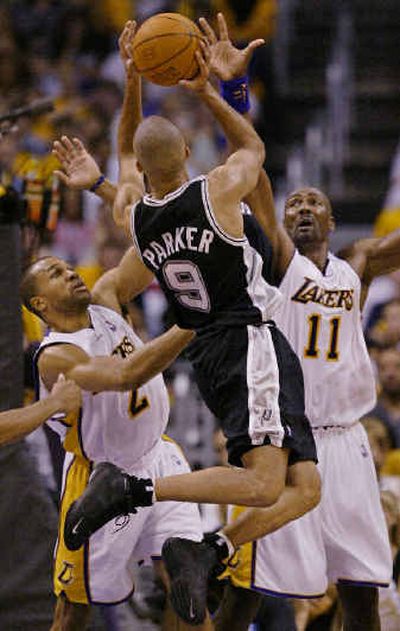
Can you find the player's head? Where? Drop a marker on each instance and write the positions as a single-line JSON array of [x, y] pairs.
[[160, 148], [308, 216], [51, 288]]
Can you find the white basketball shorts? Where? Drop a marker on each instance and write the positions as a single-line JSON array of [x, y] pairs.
[[103, 570], [344, 539]]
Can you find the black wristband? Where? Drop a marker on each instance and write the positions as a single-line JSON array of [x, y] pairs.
[[97, 183]]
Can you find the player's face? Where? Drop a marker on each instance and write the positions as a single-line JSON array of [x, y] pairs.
[[308, 217], [60, 286]]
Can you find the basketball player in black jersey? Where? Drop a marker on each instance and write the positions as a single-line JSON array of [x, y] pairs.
[[190, 235]]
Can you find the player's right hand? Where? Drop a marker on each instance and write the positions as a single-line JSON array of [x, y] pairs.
[[200, 81], [80, 169], [67, 394], [226, 61], [125, 48]]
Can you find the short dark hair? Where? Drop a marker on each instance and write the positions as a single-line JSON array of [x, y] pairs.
[[28, 288]]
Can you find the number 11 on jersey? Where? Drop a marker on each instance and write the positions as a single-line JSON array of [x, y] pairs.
[[312, 349]]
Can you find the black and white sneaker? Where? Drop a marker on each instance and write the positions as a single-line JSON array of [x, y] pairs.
[[110, 492], [190, 565]]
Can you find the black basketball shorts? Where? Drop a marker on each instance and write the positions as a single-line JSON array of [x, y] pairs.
[[252, 381]]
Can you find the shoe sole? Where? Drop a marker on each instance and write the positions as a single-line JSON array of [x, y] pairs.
[[188, 594]]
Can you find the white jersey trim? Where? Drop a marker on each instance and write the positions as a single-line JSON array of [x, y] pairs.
[[152, 201], [237, 241]]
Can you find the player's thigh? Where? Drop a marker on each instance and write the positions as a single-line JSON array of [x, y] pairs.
[[266, 467], [70, 616]]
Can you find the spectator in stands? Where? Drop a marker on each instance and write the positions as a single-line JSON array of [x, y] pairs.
[[388, 406], [386, 331]]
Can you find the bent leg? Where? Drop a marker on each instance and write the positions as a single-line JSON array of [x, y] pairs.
[[259, 483], [70, 616], [301, 495], [360, 607]]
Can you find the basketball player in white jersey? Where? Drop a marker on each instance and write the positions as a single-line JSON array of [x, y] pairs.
[[123, 416], [64, 398], [344, 540], [239, 366]]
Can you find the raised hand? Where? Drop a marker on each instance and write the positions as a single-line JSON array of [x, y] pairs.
[[199, 82], [226, 61], [67, 394], [125, 48], [80, 169]]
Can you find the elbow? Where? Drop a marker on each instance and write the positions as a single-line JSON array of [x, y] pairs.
[[260, 151]]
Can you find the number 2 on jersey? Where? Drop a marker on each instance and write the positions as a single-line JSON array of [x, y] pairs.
[[137, 403], [312, 350]]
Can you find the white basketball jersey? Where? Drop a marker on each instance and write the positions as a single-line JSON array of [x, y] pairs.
[[321, 319], [120, 427]]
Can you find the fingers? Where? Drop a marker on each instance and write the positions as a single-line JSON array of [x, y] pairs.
[[125, 39], [62, 176], [205, 52], [61, 152], [222, 26], [256, 43], [79, 146], [208, 31]]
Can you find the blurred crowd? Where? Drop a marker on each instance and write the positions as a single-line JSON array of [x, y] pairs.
[[67, 51]]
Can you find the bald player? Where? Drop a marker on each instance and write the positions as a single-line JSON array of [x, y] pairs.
[[189, 233]]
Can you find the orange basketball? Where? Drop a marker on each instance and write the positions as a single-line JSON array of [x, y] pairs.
[[164, 48]]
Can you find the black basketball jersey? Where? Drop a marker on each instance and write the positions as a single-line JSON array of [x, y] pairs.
[[207, 275]]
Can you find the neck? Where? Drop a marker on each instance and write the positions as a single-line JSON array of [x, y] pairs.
[[69, 322], [316, 252], [161, 186]]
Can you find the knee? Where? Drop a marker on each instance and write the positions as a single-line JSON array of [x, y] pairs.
[[311, 492], [265, 492]]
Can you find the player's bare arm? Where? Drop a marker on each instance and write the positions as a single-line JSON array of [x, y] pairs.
[[79, 169], [373, 257], [131, 186], [228, 62], [121, 284], [231, 182], [15, 424], [100, 374]]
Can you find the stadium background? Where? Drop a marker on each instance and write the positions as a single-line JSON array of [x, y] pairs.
[[326, 100]]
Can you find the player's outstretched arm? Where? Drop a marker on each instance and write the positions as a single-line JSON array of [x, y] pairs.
[[15, 424], [230, 183], [80, 169], [100, 374], [373, 257], [229, 63], [121, 284]]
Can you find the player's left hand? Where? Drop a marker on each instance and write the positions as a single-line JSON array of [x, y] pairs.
[[200, 81], [125, 48], [226, 61], [80, 169]]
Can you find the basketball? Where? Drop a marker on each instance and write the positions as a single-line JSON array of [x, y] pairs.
[[164, 48]]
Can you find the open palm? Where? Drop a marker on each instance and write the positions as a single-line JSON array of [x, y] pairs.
[[226, 61], [80, 169]]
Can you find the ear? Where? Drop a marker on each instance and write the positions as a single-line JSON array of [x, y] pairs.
[[332, 224], [39, 304], [139, 167], [187, 152]]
